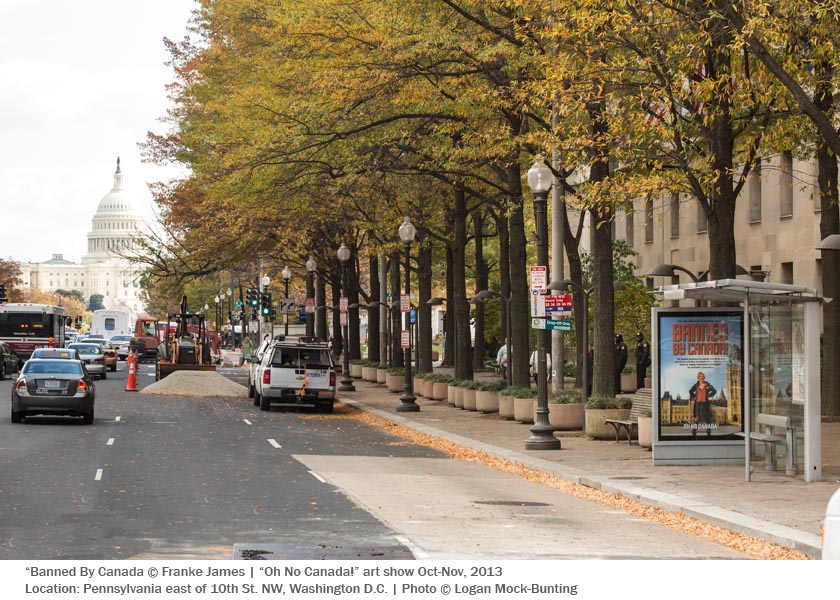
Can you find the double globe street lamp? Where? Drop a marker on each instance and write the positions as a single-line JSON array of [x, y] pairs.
[[343, 254], [408, 402], [287, 275]]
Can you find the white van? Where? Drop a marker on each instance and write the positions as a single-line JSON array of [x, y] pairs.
[[107, 323]]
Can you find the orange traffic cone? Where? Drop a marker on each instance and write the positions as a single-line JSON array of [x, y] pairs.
[[131, 385]]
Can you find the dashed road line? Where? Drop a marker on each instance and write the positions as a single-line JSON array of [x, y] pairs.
[[110, 442], [273, 442], [98, 475], [247, 422]]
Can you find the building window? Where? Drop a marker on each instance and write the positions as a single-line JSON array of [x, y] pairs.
[[786, 185], [702, 220], [787, 272], [649, 220], [675, 214], [754, 191]]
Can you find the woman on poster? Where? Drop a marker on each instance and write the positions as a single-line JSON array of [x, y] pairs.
[[701, 393]]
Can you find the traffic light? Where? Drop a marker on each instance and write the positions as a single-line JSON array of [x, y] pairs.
[[265, 304], [253, 297], [3, 298]]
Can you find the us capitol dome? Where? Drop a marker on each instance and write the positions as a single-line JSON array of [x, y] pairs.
[[106, 268]]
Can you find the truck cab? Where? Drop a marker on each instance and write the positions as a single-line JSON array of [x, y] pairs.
[[146, 338]]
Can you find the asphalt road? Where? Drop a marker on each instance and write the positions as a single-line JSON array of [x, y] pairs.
[[184, 477]]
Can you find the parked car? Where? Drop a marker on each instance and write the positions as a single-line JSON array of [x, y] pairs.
[[92, 357], [831, 529], [9, 361], [120, 344], [53, 387], [296, 372], [255, 369], [70, 337], [66, 353], [108, 350]]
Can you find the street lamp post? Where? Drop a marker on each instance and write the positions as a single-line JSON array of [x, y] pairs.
[[408, 402], [266, 281], [287, 275], [346, 381], [542, 433], [230, 316], [311, 267], [483, 295], [217, 299]]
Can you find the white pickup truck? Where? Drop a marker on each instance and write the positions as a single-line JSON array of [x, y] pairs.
[[296, 372]]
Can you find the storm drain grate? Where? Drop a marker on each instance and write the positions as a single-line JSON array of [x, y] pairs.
[[629, 478], [509, 503]]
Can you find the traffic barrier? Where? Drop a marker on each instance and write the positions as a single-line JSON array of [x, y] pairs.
[[131, 384]]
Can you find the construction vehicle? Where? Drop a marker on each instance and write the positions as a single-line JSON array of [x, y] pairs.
[[146, 339], [187, 348]]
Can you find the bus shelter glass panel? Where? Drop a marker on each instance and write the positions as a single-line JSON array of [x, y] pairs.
[[778, 385]]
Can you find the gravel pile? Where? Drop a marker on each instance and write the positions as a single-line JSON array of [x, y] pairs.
[[196, 383]]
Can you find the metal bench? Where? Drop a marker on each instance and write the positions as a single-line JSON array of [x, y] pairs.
[[641, 406], [770, 433]]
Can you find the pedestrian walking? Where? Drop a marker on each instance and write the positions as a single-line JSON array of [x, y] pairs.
[[620, 361], [642, 359], [535, 368], [502, 360]]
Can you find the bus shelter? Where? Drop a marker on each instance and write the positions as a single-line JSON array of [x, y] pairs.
[[738, 376]]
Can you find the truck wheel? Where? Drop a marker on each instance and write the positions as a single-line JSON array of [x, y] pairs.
[[265, 403], [251, 390], [325, 407]]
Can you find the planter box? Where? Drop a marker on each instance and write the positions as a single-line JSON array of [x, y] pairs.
[[356, 371], [469, 399], [523, 409], [395, 383], [458, 398], [439, 391], [381, 375], [628, 382], [645, 432], [486, 402], [369, 374], [506, 406], [566, 417], [451, 393], [595, 425]]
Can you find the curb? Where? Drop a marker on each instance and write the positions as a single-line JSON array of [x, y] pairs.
[[806, 543]]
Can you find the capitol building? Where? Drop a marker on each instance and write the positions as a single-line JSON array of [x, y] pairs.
[[105, 269]]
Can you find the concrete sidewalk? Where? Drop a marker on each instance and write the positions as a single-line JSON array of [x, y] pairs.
[[772, 506]]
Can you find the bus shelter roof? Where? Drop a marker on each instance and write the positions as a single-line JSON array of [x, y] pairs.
[[737, 290]]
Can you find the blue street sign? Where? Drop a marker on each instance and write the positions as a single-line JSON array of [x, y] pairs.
[[412, 316]]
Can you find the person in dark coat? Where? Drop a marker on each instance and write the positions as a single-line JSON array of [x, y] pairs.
[[701, 394], [620, 360], [642, 359]]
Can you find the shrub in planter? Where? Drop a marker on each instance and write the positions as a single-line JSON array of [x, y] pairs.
[[470, 388], [599, 409], [356, 368], [369, 371], [439, 383], [523, 403], [460, 387], [565, 410], [487, 395], [395, 379], [381, 373]]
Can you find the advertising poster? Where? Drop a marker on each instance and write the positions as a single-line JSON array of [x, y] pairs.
[[700, 374]]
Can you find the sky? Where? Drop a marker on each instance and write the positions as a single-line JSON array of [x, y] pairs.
[[81, 83]]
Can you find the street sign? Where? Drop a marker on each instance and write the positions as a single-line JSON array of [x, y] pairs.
[[539, 278], [405, 339], [537, 304], [286, 306], [310, 305], [405, 303], [412, 316], [551, 324], [342, 319], [342, 304]]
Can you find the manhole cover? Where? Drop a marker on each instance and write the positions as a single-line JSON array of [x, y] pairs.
[[509, 503], [628, 478]]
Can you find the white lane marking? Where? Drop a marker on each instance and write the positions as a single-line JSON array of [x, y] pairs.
[[110, 442], [318, 477], [98, 475], [247, 422], [273, 442], [412, 547], [118, 419]]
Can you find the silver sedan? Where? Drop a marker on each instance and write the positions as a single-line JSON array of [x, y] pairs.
[[92, 357]]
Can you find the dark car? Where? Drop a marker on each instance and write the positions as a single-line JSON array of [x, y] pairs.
[[47, 386], [8, 360]]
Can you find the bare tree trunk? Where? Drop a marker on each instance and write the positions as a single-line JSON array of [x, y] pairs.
[[373, 312], [321, 300], [338, 340], [519, 307], [424, 311], [458, 300], [449, 314], [397, 358]]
